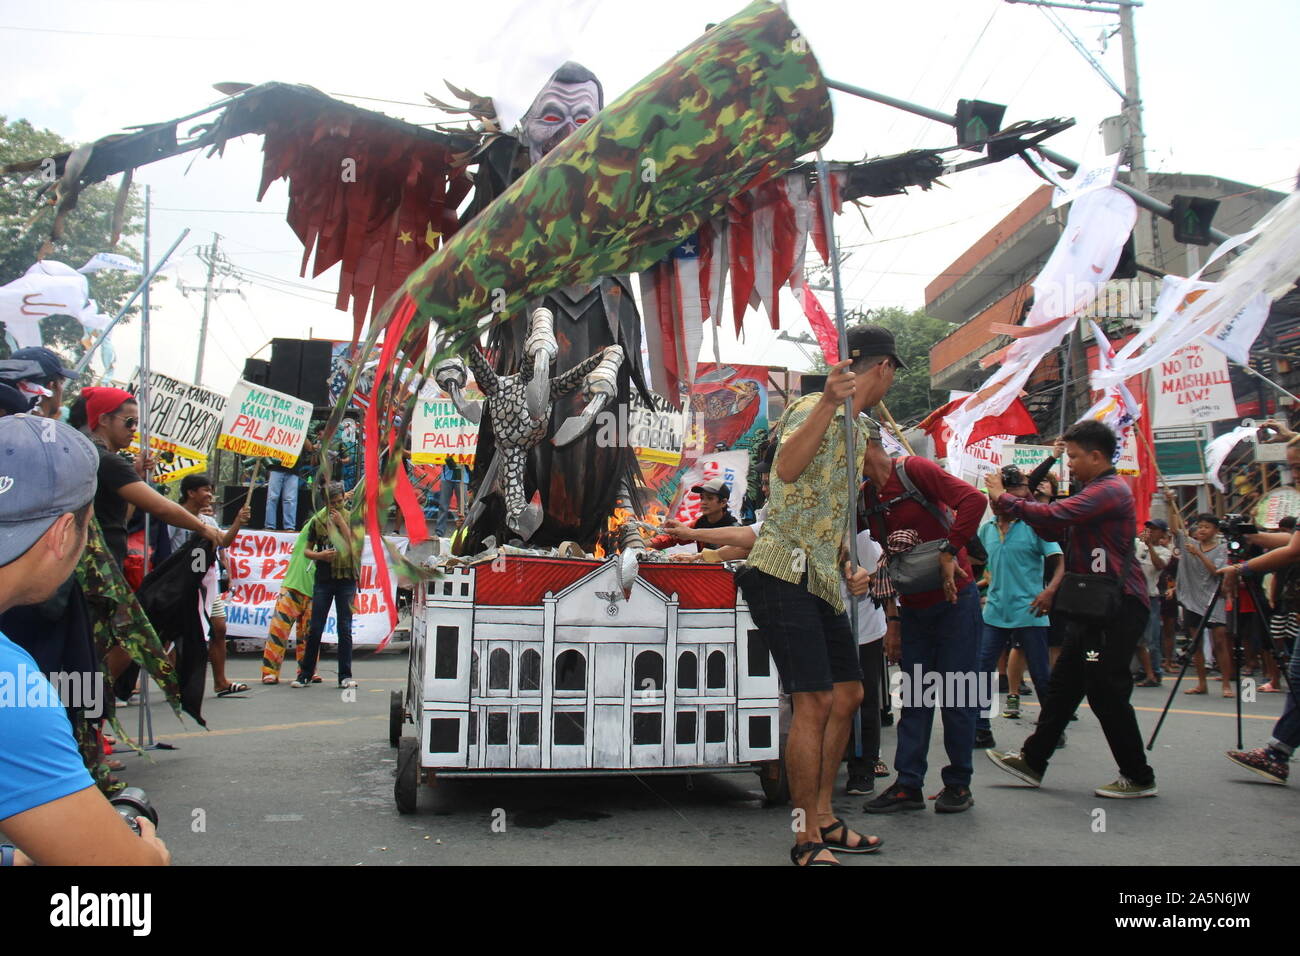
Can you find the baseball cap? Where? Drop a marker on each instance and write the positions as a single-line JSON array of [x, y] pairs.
[[873, 340], [49, 362], [1159, 523], [714, 486], [47, 469]]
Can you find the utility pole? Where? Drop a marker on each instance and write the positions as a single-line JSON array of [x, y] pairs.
[[213, 257], [1143, 234]]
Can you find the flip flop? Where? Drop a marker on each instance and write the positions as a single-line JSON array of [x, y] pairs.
[[1270, 689], [270, 680], [234, 687], [1196, 690]]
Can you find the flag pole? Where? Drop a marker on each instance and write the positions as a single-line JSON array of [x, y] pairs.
[[850, 418], [889, 420]]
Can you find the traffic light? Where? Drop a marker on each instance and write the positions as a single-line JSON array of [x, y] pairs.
[[1126, 268], [1192, 217], [977, 121]]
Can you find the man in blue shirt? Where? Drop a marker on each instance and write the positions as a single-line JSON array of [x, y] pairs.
[[49, 805], [1015, 611]]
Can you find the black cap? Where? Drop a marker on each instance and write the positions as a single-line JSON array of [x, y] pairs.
[[49, 362], [714, 486], [873, 340], [1159, 523]]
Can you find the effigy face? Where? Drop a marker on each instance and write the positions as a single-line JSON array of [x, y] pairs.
[[561, 107]]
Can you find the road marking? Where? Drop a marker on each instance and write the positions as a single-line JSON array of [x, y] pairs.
[[269, 727]]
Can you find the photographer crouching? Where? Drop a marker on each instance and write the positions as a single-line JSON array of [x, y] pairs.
[[49, 805]]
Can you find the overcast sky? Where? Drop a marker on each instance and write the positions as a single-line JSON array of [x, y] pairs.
[[1218, 85]]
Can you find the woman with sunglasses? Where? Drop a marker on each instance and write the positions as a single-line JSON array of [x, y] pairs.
[[110, 416]]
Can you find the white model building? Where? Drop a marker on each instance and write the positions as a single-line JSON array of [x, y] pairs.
[[545, 663]]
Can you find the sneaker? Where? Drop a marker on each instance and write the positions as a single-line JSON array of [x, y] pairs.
[[347, 682], [1016, 765], [897, 797], [954, 800], [984, 739], [881, 769], [299, 682], [859, 786], [1126, 789], [1012, 710], [1060, 744], [316, 679], [1026, 690], [1262, 761]]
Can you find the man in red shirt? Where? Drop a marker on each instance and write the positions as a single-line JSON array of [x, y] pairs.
[[940, 629]]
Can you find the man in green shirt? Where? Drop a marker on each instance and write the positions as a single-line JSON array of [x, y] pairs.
[[331, 545], [791, 583]]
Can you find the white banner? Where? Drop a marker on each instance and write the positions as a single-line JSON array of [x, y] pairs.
[[731, 466], [1217, 452], [258, 561], [1029, 457], [263, 422], [1192, 386], [983, 458], [439, 431]]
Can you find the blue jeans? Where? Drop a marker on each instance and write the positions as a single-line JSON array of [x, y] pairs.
[[1286, 732], [446, 487], [1033, 641], [943, 639], [339, 592], [282, 486]]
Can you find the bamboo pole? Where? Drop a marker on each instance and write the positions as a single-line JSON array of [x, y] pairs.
[[889, 420]]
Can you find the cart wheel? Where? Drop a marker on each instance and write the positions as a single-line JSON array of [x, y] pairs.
[[396, 715], [408, 774], [776, 786]]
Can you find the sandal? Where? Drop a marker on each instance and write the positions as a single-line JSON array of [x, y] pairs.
[[270, 680], [811, 850], [1149, 682], [1270, 688], [234, 687], [841, 846], [882, 770], [1196, 690], [1229, 692]]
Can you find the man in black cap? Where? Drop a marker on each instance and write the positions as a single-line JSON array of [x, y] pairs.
[[46, 385], [714, 513]]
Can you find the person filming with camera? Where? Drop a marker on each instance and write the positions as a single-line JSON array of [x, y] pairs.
[[50, 808]]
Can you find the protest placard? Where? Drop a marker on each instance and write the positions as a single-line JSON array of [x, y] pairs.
[[183, 418], [262, 422], [439, 431], [258, 561], [1029, 457], [1192, 386]]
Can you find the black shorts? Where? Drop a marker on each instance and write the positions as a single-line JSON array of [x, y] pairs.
[[812, 645]]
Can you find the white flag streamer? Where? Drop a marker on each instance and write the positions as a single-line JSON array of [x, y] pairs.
[[1217, 451], [47, 288], [1084, 258], [111, 260], [1268, 267]]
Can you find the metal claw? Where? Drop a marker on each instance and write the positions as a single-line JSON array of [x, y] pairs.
[[526, 522], [538, 389], [575, 425]]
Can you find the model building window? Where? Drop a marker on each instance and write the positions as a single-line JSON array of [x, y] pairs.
[[648, 672], [715, 727], [445, 653], [570, 727], [530, 671], [688, 671], [647, 728], [529, 727], [570, 672], [473, 671], [760, 663], [499, 670], [717, 676], [498, 729], [685, 727]]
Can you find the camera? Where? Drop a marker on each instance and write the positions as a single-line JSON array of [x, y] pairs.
[[132, 804], [1235, 527]]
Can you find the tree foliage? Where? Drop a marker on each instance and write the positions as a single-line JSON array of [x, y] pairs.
[[915, 333], [25, 219]]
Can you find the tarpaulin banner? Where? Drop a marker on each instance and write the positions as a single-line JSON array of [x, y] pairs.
[[183, 418], [655, 432], [1029, 457], [263, 422], [731, 466], [258, 561]]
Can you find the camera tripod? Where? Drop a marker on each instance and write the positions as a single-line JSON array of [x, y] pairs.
[[1231, 605]]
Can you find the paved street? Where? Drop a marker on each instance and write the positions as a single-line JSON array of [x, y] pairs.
[[290, 776]]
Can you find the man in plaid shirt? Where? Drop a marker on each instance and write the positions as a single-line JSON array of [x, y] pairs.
[[1100, 520]]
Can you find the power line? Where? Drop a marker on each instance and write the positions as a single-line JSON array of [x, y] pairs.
[[101, 33]]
